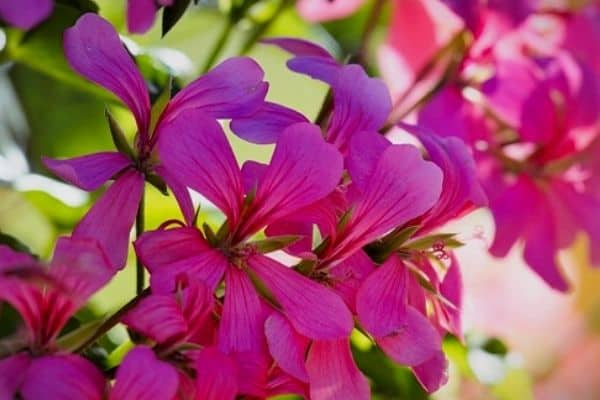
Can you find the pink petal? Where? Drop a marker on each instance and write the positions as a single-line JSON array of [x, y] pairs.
[[26, 13], [314, 311], [159, 318], [361, 103], [281, 383], [303, 169], [94, 49], [174, 253], [242, 322], [234, 88], [265, 125], [88, 172], [195, 151], [381, 301], [333, 374], [110, 219], [181, 194], [452, 290], [402, 187], [310, 59], [287, 347], [142, 376], [319, 10], [81, 267], [252, 175], [365, 150], [216, 375], [253, 370], [67, 377], [432, 374], [348, 276], [414, 342], [12, 373], [140, 15]]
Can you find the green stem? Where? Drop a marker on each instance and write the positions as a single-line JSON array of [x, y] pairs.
[[113, 320], [368, 30], [261, 28], [219, 45], [139, 229]]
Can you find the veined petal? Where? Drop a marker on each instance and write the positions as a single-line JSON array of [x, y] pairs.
[[217, 375], [265, 125], [360, 103], [195, 151], [381, 301], [111, 218], [365, 150], [433, 373], [402, 187], [181, 194], [332, 373], [303, 169], [234, 88], [67, 377], [94, 49], [171, 253], [26, 13], [287, 346], [242, 322], [314, 310], [81, 266], [157, 317], [142, 376], [88, 172], [452, 290], [415, 341], [348, 276]]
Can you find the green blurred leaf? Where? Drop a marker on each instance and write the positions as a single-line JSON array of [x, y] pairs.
[[76, 338], [14, 243]]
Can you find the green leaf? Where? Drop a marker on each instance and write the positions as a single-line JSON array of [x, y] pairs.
[[158, 183], [75, 339], [160, 104], [118, 136], [118, 354], [15, 244], [427, 242], [275, 243], [172, 14], [83, 5]]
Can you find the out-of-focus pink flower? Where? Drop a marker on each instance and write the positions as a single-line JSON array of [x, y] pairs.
[[46, 297], [93, 48], [25, 14], [325, 10]]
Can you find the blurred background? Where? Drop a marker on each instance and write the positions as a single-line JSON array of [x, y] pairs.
[[523, 340]]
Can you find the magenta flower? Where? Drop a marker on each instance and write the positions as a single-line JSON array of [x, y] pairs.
[[25, 14], [303, 170], [46, 297], [141, 13], [360, 103], [93, 48], [182, 328], [319, 10]]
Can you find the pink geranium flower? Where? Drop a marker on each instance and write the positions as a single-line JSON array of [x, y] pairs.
[[46, 297], [93, 48]]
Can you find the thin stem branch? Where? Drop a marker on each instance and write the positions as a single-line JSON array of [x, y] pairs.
[[261, 28], [368, 30], [139, 229], [113, 320], [219, 45]]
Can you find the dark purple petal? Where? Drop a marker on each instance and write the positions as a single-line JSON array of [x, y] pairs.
[[234, 88], [265, 125], [88, 172], [141, 15]]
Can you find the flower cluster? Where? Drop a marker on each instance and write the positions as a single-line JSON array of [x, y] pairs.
[[525, 95], [337, 233]]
